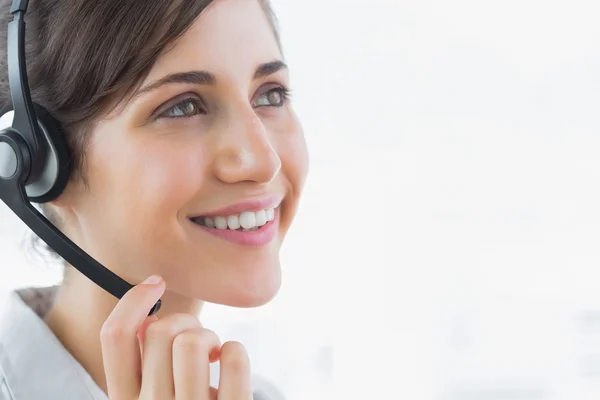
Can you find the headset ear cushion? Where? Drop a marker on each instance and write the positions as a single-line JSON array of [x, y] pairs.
[[59, 142], [64, 161]]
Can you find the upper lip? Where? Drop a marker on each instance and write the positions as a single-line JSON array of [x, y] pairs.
[[247, 205]]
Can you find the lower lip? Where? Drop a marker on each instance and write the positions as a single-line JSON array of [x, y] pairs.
[[259, 237]]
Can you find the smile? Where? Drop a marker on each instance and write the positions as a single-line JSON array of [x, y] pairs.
[[255, 226], [246, 221]]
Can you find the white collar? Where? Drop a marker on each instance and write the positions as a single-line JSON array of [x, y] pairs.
[[33, 362]]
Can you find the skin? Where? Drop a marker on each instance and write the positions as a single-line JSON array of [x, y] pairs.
[[145, 176]]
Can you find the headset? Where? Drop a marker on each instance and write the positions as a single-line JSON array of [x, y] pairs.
[[35, 163]]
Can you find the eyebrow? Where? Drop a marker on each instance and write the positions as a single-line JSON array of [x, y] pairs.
[[269, 68], [206, 78]]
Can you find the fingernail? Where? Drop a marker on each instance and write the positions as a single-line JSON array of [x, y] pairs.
[[152, 280]]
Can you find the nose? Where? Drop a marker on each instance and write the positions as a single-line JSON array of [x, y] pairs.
[[245, 153]]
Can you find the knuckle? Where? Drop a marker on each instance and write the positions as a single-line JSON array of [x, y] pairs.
[[170, 326], [112, 332], [159, 330], [194, 341], [235, 357]]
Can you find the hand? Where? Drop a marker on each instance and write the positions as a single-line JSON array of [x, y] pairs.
[[147, 358]]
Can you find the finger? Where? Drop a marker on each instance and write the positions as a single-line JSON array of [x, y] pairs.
[[234, 380], [193, 351], [120, 349], [140, 335], [157, 360]]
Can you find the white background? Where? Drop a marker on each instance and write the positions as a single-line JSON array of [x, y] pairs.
[[447, 245]]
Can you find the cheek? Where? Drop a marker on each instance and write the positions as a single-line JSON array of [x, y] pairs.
[[167, 180], [291, 146], [149, 183]]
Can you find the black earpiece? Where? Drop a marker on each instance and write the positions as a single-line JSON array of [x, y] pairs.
[[54, 174], [35, 164]]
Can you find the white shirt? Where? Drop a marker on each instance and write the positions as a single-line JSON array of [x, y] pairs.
[[34, 365]]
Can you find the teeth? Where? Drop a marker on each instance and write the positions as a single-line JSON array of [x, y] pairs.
[[261, 217], [270, 214], [209, 222], [247, 220], [233, 222], [220, 222]]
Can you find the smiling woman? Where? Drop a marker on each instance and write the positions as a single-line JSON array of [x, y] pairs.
[[188, 165]]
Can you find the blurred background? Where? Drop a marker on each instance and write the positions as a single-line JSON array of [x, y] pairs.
[[447, 244]]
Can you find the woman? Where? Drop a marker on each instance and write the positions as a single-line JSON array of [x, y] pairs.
[[188, 166]]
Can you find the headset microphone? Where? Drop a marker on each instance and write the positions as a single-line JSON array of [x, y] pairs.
[[35, 163]]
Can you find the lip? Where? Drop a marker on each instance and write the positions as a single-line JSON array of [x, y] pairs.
[[260, 237], [249, 205]]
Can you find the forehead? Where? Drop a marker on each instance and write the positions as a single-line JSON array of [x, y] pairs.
[[230, 39]]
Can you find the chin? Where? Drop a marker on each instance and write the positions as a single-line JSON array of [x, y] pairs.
[[252, 299], [250, 285], [254, 290]]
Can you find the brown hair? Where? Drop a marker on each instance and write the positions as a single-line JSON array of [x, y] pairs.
[[84, 55]]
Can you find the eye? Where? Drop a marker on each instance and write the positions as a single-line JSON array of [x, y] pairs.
[[187, 108], [275, 97]]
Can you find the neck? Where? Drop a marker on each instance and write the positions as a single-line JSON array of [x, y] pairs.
[[79, 311]]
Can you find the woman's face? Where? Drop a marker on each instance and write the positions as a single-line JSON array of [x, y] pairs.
[[209, 142]]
